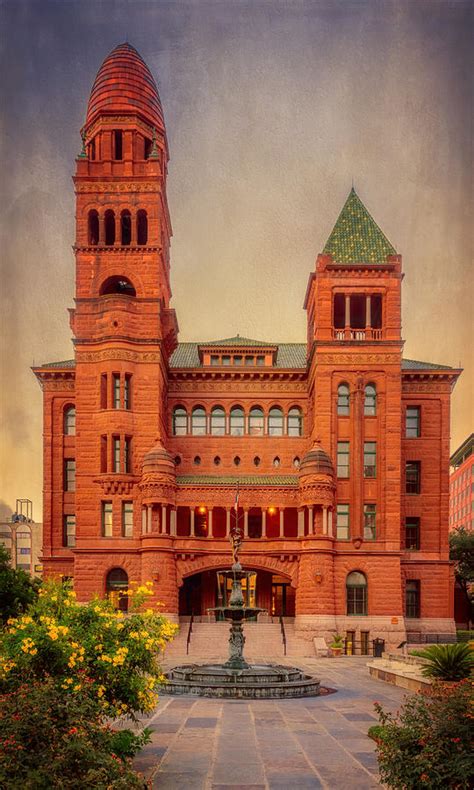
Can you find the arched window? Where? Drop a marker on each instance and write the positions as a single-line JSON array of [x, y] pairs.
[[6, 537], [343, 399], [93, 227], [180, 421], [70, 421], [198, 421], [125, 228], [142, 227], [117, 285], [356, 593], [109, 224], [218, 421], [237, 421], [23, 548], [256, 421], [295, 422], [370, 400], [275, 421], [116, 587]]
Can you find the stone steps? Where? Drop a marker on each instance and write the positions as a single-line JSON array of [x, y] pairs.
[[262, 641]]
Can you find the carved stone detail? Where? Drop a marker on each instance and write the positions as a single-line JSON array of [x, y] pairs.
[[118, 353]]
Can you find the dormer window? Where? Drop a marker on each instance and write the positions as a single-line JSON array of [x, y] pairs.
[[118, 144]]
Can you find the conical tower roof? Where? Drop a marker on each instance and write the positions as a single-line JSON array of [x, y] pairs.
[[356, 237], [124, 85]]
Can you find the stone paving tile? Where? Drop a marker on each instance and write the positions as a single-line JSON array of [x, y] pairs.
[[196, 721], [283, 781], [179, 781]]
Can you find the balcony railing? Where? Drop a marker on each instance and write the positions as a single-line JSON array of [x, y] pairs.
[[357, 334]]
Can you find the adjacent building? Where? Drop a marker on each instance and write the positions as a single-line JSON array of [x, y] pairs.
[[461, 486], [338, 446], [22, 537]]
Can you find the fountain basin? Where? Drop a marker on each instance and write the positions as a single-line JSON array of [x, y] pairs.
[[257, 681]]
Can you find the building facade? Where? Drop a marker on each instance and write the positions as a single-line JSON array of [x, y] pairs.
[[22, 537], [461, 486], [338, 447]]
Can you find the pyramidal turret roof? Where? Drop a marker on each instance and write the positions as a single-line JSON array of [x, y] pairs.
[[356, 237]]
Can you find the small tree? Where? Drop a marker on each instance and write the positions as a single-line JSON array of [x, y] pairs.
[[461, 552], [17, 589]]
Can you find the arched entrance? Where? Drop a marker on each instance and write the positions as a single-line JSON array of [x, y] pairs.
[[202, 591], [116, 586]]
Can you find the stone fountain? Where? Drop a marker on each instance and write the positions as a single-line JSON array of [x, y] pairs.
[[236, 677]]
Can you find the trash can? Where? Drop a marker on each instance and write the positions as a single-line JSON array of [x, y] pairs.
[[379, 647]]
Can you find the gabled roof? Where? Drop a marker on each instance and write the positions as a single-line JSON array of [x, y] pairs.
[[356, 237], [233, 480], [238, 341]]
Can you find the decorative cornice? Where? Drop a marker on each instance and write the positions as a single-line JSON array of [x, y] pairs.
[[99, 248], [222, 385], [117, 484], [358, 359], [54, 379], [121, 186], [118, 353]]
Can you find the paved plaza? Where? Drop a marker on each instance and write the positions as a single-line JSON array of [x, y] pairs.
[[319, 742]]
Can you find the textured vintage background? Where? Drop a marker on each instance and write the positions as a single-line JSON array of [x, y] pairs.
[[272, 108]]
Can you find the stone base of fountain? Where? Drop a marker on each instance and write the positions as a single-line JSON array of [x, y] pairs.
[[257, 681]]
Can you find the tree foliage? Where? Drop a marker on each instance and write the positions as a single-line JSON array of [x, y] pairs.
[[461, 552], [17, 589], [447, 662]]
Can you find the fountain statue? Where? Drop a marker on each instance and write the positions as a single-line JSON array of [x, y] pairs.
[[236, 677]]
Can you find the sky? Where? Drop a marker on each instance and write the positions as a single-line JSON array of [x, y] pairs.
[[273, 109]]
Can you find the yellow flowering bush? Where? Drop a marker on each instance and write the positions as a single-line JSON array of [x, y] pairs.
[[88, 648]]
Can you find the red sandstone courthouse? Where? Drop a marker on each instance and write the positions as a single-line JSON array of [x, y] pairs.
[[340, 447]]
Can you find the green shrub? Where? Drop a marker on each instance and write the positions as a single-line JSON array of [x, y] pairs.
[[17, 589], [429, 744], [54, 740], [447, 662], [465, 636], [89, 649]]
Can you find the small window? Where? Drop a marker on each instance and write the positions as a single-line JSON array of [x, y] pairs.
[[412, 428], [237, 421], [214, 359], [249, 361], [117, 285], [412, 533], [296, 462], [226, 359], [412, 598], [237, 460], [342, 522], [218, 421], [295, 422], [370, 400], [343, 400], [116, 454], [217, 460], [198, 421], [107, 519], [356, 591], [69, 533], [109, 223], [116, 587], [177, 460], [127, 391], [343, 459], [370, 459], [70, 421], [276, 462], [142, 227], [118, 144], [370, 518], [125, 228], [127, 519], [127, 460], [180, 421], [260, 361], [238, 360], [413, 477], [256, 460], [116, 390], [147, 148], [275, 422], [256, 421], [70, 474], [93, 228], [197, 460], [339, 311], [103, 454]]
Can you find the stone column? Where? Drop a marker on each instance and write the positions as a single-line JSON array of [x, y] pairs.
[[191, 531], [101, 238], [163, 520], [144, 520], [330, 526], [173, 521], [246, 523], [282, 522], [310, 521], [227, 522], [301, 523], [149, 517], [368, 317], [347, 319], [325, 520], [264, 523], [209, 514]]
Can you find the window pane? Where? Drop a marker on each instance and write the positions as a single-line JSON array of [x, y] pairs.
[[413, 421], [370, 459], [370, 400], [180, 422], [70, 421], [198, 422], [260, 361], [275, 422], [412, 598], [107, 519], [116, 452], [343, 399], [69, 530], [342, 522], [127, 519], [127, 392], [256, 422], [369, 522], [70, 475], [237, 421], [295, 422], [413, 470], [343, 459], [218, 422], [116, 391], [356, 591], [128, 455], [412, 534]]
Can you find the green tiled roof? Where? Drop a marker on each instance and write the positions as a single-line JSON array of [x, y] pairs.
[[414, 364], [356, 237], [237, 341], [233, 480], [289, 355], [68, 363]]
